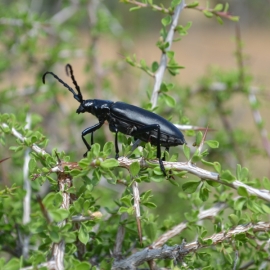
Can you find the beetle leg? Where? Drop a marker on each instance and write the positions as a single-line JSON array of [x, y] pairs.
[[92, 138], [90, 130], [116, 144], [134, 146], [149, 128], [113, 128]]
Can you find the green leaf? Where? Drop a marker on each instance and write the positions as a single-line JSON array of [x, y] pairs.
[[204, 194], [166, 20], [265, 208], [126, 200], [208, 13], [146, 195], [13, 264], [107, 148], [130, 61], [58, 214], [174, 3], [54, 235], [186, 150], [32, 165], [207, 162], [134, 8], [195, 158], [109, 163], [150, 205], [129, 210], [83, 234], [123, 209], [234, 18], [241, 173], [5, 129], [157, 171], [157, 178], [143, 64], [199, 136], [48, 200], [83, 266], [212, 143], [218, 7], [150, 230], [226, 7], [134, 168], [192, 5], [190, 187], [219, 19], [16, 148], [170, 101], [173, 182], [242, 192], [217, 167], [227, 176], [266, 183], [191, 216], [155, 66], [95, 148], [234, 219], [239, 203]]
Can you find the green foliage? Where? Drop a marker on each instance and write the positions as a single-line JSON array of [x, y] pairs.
[[41, 145]]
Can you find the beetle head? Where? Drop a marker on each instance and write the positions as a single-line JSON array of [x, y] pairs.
[[86, 106]]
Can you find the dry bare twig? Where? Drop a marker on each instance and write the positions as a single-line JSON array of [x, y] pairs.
[[177, 252]]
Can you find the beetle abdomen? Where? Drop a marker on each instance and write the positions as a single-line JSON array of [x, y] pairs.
[[129, 118]]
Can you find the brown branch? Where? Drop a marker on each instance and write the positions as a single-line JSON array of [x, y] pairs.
[[136, 204], [179, 166], [58, 249], [206, 214], [18, 135], [177, 252], [163, 60], [117, 251]]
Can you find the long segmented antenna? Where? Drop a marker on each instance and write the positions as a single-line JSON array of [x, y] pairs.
[[78, 96], [69, 67]]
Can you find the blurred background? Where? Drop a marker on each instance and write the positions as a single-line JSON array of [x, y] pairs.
[[95, 37]]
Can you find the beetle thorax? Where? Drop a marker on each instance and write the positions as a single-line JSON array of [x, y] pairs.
[[97, 107]]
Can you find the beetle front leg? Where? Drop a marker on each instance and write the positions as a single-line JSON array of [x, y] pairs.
[[90, 130]]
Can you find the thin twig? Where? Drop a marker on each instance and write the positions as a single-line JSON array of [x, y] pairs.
[[27, 197], [58, 249], [206, 214], [136, 204], [117, 251], [163, 61]]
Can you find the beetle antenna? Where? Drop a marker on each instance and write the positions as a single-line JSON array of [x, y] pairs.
[[76, 96], [69, 67]]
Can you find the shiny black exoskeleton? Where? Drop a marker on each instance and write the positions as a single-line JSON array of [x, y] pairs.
[[127, 119]]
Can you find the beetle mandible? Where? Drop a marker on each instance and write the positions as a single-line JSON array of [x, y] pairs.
[[125, 118]]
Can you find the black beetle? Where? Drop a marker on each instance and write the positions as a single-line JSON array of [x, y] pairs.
[[127, 119]]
